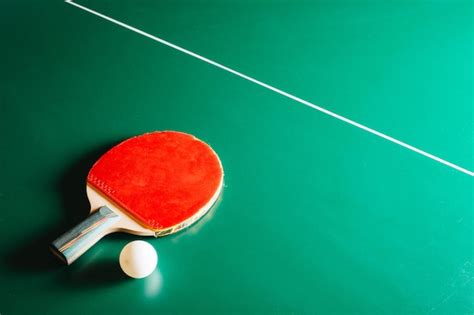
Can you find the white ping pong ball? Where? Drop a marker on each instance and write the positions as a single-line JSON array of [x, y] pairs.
[[138, 259]]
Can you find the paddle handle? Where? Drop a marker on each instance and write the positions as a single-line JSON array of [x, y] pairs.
[[72, 244]]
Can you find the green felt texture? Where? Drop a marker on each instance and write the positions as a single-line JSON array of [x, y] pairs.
[[316, 216]]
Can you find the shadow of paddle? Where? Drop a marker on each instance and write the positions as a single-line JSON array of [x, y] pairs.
[[34, 255], [72, 193], [72, 187], [94, 274]]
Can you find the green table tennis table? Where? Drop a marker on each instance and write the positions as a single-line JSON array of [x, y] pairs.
[[345, 128]]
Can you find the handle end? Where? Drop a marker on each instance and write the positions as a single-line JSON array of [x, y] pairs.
[[72, 244], [56, 252]]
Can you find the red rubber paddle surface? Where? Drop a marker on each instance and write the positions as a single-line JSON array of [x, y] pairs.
[[160, 178]]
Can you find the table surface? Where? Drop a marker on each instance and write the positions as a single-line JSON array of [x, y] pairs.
[[317, 215]]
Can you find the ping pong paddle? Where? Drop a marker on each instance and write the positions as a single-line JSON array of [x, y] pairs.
[[153, 185]]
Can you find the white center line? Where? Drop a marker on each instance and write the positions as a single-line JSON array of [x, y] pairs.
[[276, 90]]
